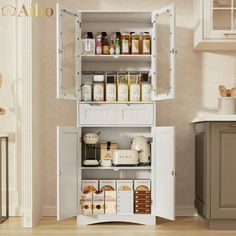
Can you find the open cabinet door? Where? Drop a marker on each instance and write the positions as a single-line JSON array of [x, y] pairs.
[[163, 51], [68, 171], [163, 159], [68, 51]]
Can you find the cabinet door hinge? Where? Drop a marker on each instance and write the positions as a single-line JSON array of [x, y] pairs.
[[173, 173]]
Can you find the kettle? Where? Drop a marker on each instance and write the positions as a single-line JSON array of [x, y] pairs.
[[141, 144]]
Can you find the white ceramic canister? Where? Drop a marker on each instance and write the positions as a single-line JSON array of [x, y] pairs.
[[226, 105]]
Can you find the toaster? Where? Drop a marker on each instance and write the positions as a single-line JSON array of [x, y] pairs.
[[125, 157]]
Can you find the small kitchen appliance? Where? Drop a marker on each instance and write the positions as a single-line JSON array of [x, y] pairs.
[[125, 157], [142, 146], [89, 149]]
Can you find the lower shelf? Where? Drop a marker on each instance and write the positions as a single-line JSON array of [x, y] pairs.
[[136, 218]]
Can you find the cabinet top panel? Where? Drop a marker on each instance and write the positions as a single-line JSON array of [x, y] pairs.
[[116, 16]]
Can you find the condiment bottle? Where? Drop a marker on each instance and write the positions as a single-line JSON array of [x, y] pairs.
[[118, 42], [134, 43], [112, 47], [98, 87], [99, 45], [105, 46], [122, 89], [134, 87], [111, 87], [146, 43], [125, 40]]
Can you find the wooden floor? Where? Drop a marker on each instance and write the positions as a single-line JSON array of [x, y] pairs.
[[189, 226]]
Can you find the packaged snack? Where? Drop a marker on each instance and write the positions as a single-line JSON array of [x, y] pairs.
[[124, 185], [142, 185], [86, 196], [110, 207], [98, 196], [98, 207], [89, 185], [110, 196], [86, 207], [125, 202], [107, 185]]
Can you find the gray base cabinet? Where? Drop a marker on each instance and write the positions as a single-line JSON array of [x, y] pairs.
[[215, 173]]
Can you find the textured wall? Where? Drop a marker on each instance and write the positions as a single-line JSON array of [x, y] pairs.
[[8, 93], [198, 75]]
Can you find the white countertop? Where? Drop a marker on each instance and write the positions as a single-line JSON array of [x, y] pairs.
[[214, 117]]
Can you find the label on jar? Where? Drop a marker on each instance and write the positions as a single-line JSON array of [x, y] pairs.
[[146, 92], [123, 92], [86, 94], [125, 46], [146, 46], [111, 92], [135, 92], [98, 92], [135, 46]]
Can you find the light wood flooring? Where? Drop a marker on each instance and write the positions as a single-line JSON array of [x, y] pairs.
[[48, 226]]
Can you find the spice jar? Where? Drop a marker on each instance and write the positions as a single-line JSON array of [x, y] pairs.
[[125, 39], [86, 93], [122, 88], [134, 43], [146, 43], [111, 87], [98, 88], [134, 87]]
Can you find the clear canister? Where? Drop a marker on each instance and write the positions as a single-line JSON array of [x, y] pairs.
[[122, 88]]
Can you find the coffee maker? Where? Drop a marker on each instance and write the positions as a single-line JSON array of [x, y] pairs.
[[89, 149]]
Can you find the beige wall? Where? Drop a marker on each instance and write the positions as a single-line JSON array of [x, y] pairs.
[[198, 76], [8, 94]]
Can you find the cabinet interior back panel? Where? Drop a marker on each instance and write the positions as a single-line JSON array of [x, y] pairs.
[[121, 174], [123, 136]]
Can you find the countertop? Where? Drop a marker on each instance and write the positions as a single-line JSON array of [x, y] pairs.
[[214, 117]]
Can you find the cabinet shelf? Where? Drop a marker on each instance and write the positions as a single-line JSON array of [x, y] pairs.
[[117, 168], [128, 103], [116, 58]]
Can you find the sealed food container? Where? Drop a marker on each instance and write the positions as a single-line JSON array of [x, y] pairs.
[[98, 87], [134, 87], [122, 88], [86, 92], [125, 43], [135, 43], [111, 87], [146, 43], [146, 90]]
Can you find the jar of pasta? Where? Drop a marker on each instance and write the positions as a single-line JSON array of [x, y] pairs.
[[122, 88]]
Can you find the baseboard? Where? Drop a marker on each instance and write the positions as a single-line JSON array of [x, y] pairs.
[[180, 211], [185, 211]]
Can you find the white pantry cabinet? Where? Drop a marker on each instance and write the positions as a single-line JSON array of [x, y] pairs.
[[214, 24], [116, 121]]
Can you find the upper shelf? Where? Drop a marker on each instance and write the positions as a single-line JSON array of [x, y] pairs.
[[116, 16], [116, 58]]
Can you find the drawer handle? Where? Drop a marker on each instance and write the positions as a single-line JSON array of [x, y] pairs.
[[228, 34], [95, 104]]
